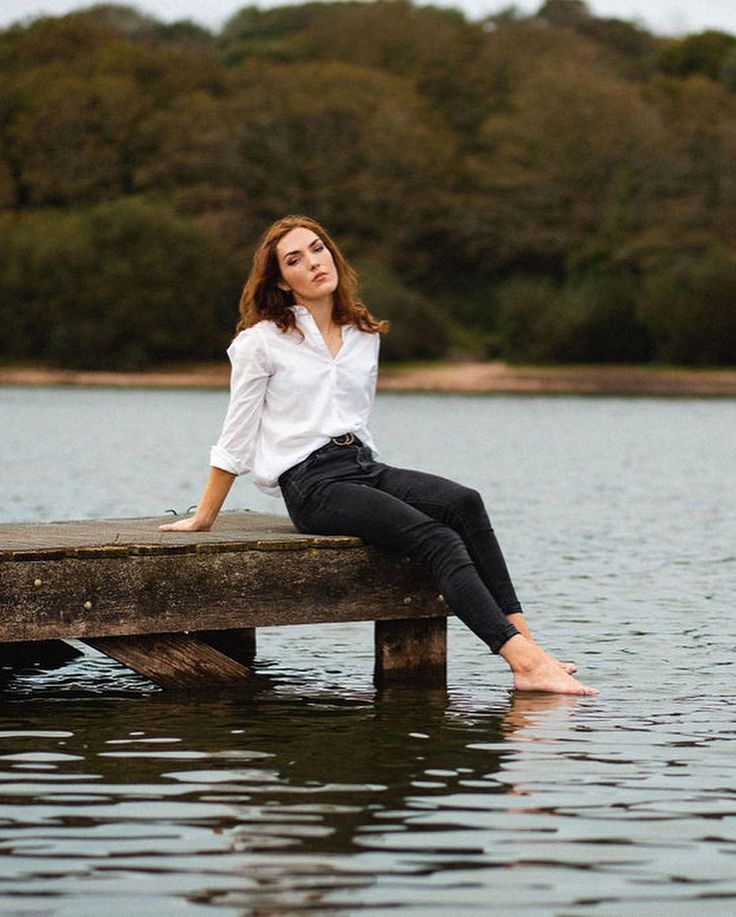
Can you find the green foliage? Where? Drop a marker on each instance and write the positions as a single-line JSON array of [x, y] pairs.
[[119, 286], [529, 318], [564, 12], [418, 329], [697, 168], [728, 71], [690, 307], [590, 319], [354, 147], [557, 186], [551, 168], [629, 43], [704, 53], [351, 32]]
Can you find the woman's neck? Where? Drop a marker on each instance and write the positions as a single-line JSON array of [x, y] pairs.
[[321, 312]]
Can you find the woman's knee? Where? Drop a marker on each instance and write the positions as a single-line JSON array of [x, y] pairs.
[[468, 501]]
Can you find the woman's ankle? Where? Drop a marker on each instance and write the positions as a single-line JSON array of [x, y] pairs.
[[522, 654], [519, 622]]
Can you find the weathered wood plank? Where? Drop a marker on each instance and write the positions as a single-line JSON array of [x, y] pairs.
[[172, 660], [107, 596], [115, 537], [411, 651]]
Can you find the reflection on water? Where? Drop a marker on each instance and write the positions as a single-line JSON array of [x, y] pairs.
[[318, 793], [415, 798]]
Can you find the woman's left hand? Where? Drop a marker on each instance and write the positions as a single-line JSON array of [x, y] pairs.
[[189, 524]]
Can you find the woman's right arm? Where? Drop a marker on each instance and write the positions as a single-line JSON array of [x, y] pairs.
[[216, 489], [234, 451]]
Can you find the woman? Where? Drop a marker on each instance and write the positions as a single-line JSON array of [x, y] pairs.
[[303, 380]]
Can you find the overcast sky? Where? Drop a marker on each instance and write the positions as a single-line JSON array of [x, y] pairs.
[[667, 17]]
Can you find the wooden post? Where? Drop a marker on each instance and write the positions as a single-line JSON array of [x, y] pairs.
[[172, 660], [411, 651], [239, 643]]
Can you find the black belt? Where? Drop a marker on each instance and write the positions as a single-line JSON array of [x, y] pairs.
[[344, 439]]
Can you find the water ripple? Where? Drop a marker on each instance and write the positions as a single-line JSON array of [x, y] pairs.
[[322, 794]]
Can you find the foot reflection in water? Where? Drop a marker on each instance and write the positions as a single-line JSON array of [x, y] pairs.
[[527, 710]]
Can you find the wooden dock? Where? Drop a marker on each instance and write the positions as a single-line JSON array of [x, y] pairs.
[[182, 609]]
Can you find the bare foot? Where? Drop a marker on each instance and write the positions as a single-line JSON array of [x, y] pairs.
[[535, 670], [550, 677]]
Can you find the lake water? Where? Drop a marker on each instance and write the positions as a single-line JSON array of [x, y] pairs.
[[322, 795]]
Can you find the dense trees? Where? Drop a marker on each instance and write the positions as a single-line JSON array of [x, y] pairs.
[[547, 187], [120, 284]]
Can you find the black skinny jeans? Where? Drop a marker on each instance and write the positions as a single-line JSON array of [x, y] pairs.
[[342, 490]]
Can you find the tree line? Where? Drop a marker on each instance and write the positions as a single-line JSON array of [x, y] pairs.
[[547, 187]]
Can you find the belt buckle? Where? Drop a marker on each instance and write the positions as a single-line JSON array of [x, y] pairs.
[[347, 439]]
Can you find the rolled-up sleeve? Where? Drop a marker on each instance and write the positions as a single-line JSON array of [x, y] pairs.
[[235, 449]]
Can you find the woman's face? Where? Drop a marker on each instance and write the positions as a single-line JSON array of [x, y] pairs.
[[307, 267]]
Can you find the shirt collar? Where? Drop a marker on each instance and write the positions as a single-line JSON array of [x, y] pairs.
[[302, 310]]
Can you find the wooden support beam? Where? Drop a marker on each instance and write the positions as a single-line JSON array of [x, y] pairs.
[[411, 651], [238, 643], [172, 660]]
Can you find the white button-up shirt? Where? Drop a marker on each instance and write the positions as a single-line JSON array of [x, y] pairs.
[[290, 396]]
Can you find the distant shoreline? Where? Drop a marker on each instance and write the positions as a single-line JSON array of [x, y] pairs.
[[488, 377]]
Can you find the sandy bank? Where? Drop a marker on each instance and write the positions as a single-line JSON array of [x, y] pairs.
[[604, 380], [457, 377]]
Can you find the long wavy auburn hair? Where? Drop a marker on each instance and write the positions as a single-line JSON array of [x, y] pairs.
[[262, 299]]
